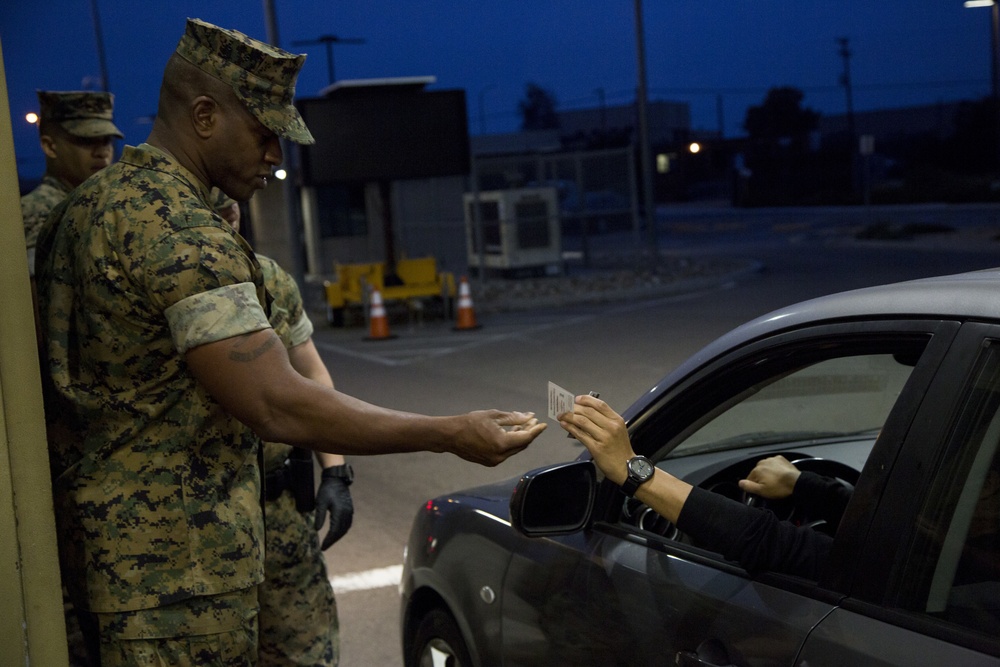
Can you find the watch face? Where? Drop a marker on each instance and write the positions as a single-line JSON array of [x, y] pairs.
[[640, 467]]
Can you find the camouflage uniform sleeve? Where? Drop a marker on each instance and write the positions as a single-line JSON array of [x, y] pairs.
[[215, 315], [35, 209], [300, 328], [192, 260], [205, 284], [288, 315], [301, 331]]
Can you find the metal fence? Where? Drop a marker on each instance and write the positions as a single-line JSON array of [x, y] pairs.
[[596, 188]]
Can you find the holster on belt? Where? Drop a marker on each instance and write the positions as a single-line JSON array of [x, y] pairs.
[[296, 475], [303, 481]]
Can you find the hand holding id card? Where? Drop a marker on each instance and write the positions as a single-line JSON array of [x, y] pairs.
[[561, 401]]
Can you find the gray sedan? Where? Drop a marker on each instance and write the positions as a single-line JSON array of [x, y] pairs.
[[893, 391]]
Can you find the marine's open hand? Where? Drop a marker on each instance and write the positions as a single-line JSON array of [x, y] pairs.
[[493, 436]]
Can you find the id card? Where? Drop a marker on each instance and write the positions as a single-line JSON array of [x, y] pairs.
[[560, 401]]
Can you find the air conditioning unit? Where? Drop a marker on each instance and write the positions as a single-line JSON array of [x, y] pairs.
[[520, 231]]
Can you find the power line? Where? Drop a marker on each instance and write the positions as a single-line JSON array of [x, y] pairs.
[[328, 41]]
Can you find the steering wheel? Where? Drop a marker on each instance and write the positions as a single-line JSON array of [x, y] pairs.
[[789, 510]]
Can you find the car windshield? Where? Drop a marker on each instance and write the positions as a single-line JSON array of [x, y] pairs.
[[835, 398]]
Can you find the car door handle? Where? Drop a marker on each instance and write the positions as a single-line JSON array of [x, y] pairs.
[[709, 653]]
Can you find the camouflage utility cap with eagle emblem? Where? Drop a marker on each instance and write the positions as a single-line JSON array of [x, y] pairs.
[[261, 75]]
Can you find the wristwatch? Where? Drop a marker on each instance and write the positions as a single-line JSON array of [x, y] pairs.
[[640, 470], [344, 472]]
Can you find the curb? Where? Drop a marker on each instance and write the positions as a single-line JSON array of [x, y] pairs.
[[600, 292]]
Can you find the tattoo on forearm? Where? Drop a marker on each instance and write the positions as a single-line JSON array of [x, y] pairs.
[[240, 355]]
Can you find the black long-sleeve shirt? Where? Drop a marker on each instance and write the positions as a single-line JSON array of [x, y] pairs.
[[759, 541]]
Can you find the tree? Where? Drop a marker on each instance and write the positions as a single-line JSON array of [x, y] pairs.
[[538, 109], [778, 152], [974, 146], [781, 117]]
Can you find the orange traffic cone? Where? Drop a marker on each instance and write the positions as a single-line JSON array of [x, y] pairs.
[[465, 318], [378, 323]]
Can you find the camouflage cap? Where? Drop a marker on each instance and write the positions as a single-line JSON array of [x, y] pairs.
[[81, 113], [261, 75]]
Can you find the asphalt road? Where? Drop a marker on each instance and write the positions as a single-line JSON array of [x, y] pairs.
[[619, 349]]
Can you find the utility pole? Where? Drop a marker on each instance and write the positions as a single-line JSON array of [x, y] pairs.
[[100, 46], [845, 81], [644, 152], [482, 107], [994, 63], [995, 71], [604, 113], [296, 236], [329, 41]]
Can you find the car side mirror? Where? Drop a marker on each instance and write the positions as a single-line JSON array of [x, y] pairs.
[[555, 500]]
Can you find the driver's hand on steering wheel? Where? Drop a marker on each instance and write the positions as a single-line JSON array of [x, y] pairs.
[[773, 478]]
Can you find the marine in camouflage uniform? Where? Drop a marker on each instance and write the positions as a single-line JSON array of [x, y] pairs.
[[76, 133], [298, 612], [36, 206], [160, 362], [157, 489]]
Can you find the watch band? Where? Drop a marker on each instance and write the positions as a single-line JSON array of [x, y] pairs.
[[344, 472], [630, 486], [639, 471]]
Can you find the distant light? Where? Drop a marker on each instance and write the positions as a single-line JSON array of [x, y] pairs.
[[31, 117], [695, 147], [280, 174], [662, 163], [978, 3]]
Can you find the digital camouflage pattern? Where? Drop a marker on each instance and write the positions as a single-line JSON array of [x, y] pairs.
[[261, 75], [156, 488], [82, 113], [37, 204], [292, 325], [298, 612], [218, 630]]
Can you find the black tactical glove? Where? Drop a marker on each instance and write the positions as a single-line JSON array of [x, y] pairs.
[[334, 496]]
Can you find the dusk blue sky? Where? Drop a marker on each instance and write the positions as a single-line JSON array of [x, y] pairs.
[[904, 52]]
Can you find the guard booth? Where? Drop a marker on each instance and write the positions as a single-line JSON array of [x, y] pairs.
[[519, 230]]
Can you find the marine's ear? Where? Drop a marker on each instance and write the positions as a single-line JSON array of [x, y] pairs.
[[205, 113], [48, 143]]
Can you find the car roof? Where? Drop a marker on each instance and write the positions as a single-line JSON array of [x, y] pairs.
[[973, 295]]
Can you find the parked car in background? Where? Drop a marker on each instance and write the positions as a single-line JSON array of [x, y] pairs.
[[893, 390]]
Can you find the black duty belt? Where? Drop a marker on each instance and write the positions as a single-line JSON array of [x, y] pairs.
[[295, 475]]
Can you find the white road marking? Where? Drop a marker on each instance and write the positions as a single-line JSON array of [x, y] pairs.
[[432, 345], [381, 577]]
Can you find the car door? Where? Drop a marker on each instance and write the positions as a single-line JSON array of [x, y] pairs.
[[626, 593], [932, 593]]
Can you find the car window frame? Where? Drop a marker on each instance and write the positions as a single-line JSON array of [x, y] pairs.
[[885, 591], [645, 428]]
